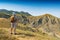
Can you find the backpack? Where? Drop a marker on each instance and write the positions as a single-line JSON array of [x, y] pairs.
[[13, 19]]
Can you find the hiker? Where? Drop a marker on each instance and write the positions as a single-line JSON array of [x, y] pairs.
[[13, 23]]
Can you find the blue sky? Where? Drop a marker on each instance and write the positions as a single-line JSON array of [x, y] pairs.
[[34, 7]]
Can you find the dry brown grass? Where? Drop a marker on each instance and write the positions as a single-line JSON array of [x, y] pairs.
[[22, 34]]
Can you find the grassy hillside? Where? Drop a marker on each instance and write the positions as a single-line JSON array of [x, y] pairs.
[[23, 32]]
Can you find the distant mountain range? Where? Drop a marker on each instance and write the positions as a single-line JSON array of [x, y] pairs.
[[8, 13]]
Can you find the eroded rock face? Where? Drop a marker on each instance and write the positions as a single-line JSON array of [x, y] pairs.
[[48, 22], [44, 20]]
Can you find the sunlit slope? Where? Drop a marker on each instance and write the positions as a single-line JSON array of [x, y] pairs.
[[23, 32]]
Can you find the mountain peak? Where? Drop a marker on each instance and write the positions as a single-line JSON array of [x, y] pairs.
[[48, 15]]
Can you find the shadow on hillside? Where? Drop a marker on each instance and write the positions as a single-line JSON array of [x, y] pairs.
[[30, 35]]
